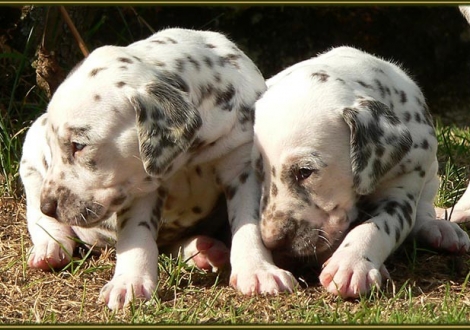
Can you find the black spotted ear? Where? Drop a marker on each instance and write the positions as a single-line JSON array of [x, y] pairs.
[[167, 124], [379, 141]]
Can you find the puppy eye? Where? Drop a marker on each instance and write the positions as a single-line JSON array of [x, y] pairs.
[[77, 147], [303, 173]]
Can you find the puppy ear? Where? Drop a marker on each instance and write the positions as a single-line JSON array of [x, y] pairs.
[[379, 141], [167, 124]]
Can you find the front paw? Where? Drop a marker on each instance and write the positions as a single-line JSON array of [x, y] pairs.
[[443, 235], [264, 278], [350, 275], [125, 288], [50, 254]]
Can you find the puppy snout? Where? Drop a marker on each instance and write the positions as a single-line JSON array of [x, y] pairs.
[[49, 207], [278, 230]]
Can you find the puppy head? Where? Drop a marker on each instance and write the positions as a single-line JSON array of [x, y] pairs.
[[313, 157], [114, 129]]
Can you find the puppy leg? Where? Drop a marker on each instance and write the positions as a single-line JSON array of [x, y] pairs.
[[438, 233], [136, 273], [253, 269], [358, 264], [204, 252]]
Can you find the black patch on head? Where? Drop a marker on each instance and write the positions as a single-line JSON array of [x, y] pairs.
[[120, 84], [95, 71]]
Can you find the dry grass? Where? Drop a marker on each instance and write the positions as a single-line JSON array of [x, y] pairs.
[[428, 288]]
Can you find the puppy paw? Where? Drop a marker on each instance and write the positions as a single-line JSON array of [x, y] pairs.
[[124, 289], [49, 254], [443, 235], [453, 215], [264, 278], [351, 276], [206, 253]]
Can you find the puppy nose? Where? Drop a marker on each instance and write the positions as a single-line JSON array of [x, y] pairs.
[[49, 207], [275, 242]]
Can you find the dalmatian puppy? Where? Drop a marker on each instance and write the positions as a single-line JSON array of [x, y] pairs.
[[345, 150], [137, 145], [460, 212]]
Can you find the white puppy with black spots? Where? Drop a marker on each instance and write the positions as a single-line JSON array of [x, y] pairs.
[[460, 212], [138, 144], [346, 152]]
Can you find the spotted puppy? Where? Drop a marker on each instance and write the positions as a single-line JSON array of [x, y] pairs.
[[460, 212], [346, 153], [143, 140]]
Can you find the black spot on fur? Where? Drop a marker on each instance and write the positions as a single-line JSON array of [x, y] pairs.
[[208, 62], [230, 191], [321, 76], [180, 64], [198, 171], [125, 60], [120, 84], [144, 224], [381, 88], [95, 71], [363, 84], [274, 190], [403, 97], [195, 63], [407, 116], [226, 96], [242, 178]]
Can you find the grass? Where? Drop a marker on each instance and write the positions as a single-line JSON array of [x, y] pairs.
[[427, 288]]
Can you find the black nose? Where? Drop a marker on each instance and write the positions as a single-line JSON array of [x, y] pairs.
[[49, 207]]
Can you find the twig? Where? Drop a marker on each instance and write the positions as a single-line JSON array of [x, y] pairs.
[[75, 33]]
